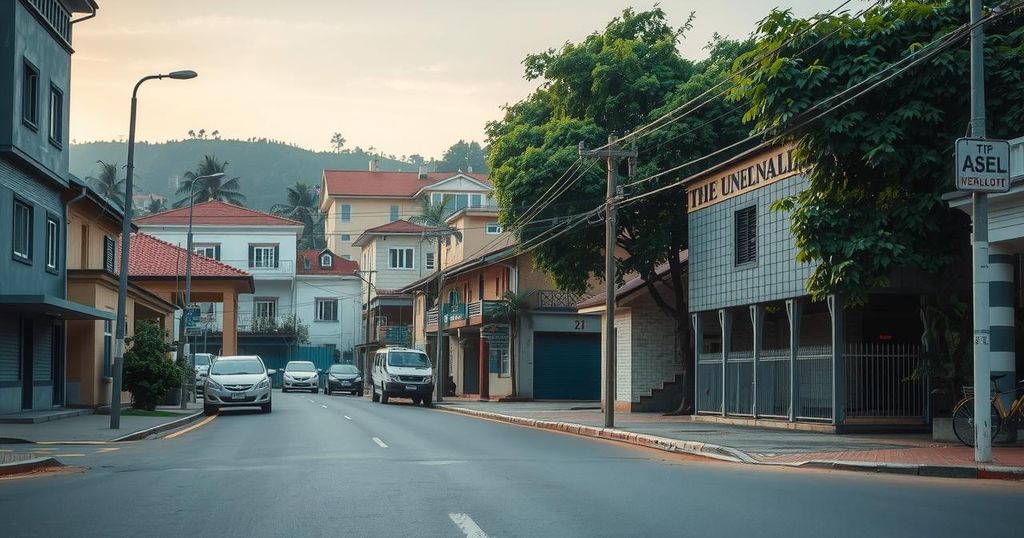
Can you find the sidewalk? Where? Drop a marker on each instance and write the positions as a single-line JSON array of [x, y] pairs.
[[898, 453], [90, 427]]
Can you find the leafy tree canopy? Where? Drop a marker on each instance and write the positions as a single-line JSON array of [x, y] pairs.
[[303, 206], [880, 164], [221, 188], [463, 156]]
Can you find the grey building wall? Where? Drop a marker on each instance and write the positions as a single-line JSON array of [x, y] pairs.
[[715, 280]]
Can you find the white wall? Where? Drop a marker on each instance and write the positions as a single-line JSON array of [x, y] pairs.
[[234, 244], [376, 256], [343, 333]]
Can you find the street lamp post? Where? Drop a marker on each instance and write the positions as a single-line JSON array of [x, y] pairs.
[[126, 231], [182, 334]]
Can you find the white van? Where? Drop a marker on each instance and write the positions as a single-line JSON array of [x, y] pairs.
[[402, 373]]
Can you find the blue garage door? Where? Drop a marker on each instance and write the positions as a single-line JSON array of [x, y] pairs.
[[566, 366]]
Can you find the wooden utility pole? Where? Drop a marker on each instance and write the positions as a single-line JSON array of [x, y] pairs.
[[612, 155]]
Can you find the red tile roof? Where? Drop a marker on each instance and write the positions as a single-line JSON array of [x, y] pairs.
[[399, 184], [215, 212], [340, 266], [150, 257]]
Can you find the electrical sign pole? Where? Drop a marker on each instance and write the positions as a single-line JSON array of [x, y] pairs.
[[982, 166]]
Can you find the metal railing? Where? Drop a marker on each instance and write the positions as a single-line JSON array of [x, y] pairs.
[[261, 324], [814, 383], [773, 383], [709, 383], [739, 383], [474, 309], [557, 300], [398, 335], [432, 316], [880, 382]]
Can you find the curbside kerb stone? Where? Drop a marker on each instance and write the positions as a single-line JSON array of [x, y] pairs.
[[26, 466], [160, 428], [733, 455]]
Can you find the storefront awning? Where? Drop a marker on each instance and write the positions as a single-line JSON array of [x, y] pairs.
[[49, 305]]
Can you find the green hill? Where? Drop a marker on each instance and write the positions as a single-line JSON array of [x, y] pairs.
[[265, 169]]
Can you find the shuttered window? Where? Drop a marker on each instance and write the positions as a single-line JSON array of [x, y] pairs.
[[746, 235], [10, 350], [108, 254]]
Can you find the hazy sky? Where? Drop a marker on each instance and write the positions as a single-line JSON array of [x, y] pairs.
[[403, 76]]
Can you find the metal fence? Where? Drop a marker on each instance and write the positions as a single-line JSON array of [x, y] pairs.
[[773, 383], [709, 383], [739, 383], [880, 382], [814, 383]]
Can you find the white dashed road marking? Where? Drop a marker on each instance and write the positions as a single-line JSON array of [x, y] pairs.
[[467, 525], [324, 406], [348, 417], [379, 442]]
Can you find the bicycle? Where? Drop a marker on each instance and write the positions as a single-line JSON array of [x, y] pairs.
[[963, 412]]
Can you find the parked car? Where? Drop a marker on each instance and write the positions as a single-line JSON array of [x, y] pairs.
[[343, 378], [403, 373], [201, 362], [300, 375], [237, 381]]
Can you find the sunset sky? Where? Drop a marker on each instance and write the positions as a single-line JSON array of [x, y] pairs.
[[402, 76]]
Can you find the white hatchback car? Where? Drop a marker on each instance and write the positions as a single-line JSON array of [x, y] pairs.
[[300, 375], [237, 381]]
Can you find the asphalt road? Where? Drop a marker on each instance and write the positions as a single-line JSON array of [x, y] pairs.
[[343, 466]]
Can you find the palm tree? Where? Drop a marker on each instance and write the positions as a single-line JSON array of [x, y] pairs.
[[155, 205], [225, 190], [435, 216], [303, 202], [514, 306], [107, 184]]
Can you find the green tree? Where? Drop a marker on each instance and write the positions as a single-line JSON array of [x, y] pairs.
[[463, 156], [223, 189], [337, 142], [303, 206], [879, 165], [155, 205], [148, 373], [612, 82], [435, 217], [107, 183]]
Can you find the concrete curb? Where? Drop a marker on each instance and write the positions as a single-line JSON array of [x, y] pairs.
[[159, 428], [707, 450], [725, 453], [20, 467]]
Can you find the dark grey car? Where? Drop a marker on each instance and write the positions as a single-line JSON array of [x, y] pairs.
[[343, 378]]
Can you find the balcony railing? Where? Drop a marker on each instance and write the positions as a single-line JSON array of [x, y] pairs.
[[396, 335], [556, 300], [454, 312], [260, 324], [432, 316]]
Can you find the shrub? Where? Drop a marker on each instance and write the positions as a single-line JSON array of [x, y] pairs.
[[148, 374]]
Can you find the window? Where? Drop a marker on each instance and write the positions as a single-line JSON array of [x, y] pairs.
[[22, 231], [453, 296], [493, 228], [326, 260], [56, 116], [394, 213], [436, 198], [264, 308], [30, 95], [746, 235], [346, 257], [211, 251], [52, 244], [346, 237], [505, 361], [429, 263], [108, 348], [346, 213], [476, 200], [327, 310], [400, 258], [263, 256], [305, 263], [108, 253]]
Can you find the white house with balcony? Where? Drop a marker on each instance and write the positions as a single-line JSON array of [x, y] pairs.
[[328, 298], [262, 244]]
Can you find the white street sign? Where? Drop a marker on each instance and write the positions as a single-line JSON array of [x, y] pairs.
[[982, 165]]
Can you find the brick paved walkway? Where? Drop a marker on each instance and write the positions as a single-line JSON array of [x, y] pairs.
[[943, 454]]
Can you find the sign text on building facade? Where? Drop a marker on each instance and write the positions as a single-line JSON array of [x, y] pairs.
[[744, 176]]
